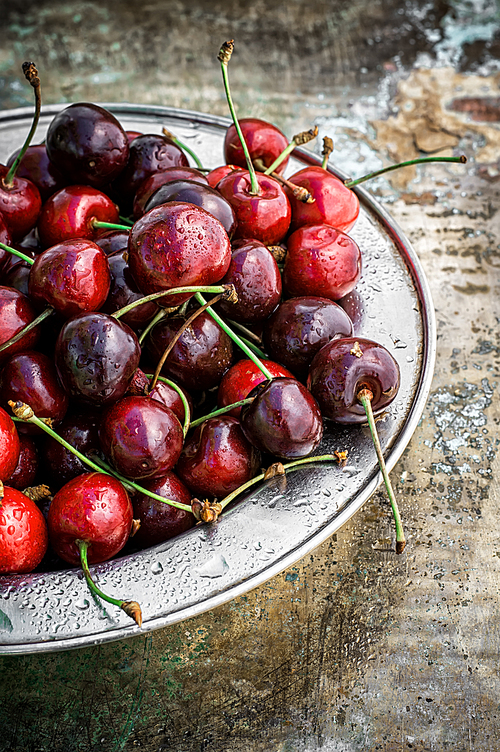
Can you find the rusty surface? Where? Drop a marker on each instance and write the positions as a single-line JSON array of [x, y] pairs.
[[353, 649]]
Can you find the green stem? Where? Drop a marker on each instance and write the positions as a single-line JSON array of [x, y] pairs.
[[17, 253], [41, 317], [289, 466], [365, 396], [159, 316], [187, 411], [30, 73], [99, 224], [184, 147], [254, 189], [126, 221], [351, 183], [131, 608], [221, 411], [280, 158], [217, 289], [246, 349]]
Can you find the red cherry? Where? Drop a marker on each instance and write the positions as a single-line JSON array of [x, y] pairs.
[[264, 141], [157, 179], [69, 213], [334, 204], [160, 521], [10, 446], [238, 382], [37, 167], [93, 508], [321, 261], [25, 472], [216, 175], [20, 204], [5, 238], [15, 313], [23, 533]]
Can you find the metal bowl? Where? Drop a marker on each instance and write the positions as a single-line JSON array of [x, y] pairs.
[[279, 522]]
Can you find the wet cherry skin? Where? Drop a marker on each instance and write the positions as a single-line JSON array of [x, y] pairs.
[[81, 430], [20, 204], [160, 521], [10, 446], [157, 179], [264, 141], [23, 533], [321, 261], [242, 377], [16, 312], [25, 472], [123, 291], [113, 241], [37, 167], [345, 366], [334, 204], [5, 238], [216, 175], [93, 507]]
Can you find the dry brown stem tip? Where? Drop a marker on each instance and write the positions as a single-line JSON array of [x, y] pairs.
[[226, 51], [303, 195], [37, 493], [167, 133], [274, 470], [305, 136], [400, 546], [341, 456], [21, 410], [327, 146], [31, 73], [356, 350], [205, 511], [230, 294], [278, 252], [133, 610], [135, 527]]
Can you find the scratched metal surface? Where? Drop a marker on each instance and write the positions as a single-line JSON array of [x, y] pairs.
[[351, 649]]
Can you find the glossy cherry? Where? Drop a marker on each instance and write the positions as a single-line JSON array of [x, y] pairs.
[[140, 437], [334, 204], [159, 521], [321, 261], [6, 239], [87, 144], [10, 446], [241, 378], [264, 140], [123, 290], [113, 241], [342, 368], [157, 179], [16, 312], [93, 508], [20, 204], [23, 533], [284, 419], [81, 430], [25, 472], [215, 176], [36, 166]]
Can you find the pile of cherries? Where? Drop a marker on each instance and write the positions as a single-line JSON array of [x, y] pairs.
[[109, 241]]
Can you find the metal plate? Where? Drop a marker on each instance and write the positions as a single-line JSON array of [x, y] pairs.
[[281, 521]]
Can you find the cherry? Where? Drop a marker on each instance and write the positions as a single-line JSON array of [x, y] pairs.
[[241, 378], [170, 398], [321, 261], [60, 465], [284, 419], [141, 437], [177, 244], [192, 192], [20, 204], [72, 277], [216, 175], [6, 240], [345, 366], [159, 521], [217, 458], [257, 281], [113, 241], [10, 446], [31, 377], [16, 313], [17, 276], [96, 357], [334, 204], [124, 290], [23, 533], [36, 166], [87, 144], [157, 179], [300, 327], [25, 472], [265, 142], [71, 212]]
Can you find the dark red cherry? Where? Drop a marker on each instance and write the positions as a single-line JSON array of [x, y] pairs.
[[70, 212], [95, 508], [36, 166], [149, 153], [25, 472], [334, 204], [6, 240], [191, 192], [17, 276], [10, 446], [87, 144], [16, 312], [266, 216], [96, 356], [157, 179], [177, 244], [160, 521], [168, 397], [140, 437], [257, 281], [216, 175], [23, 533], [321, 261], [31, 377], [217, 459], [113, 241], [345, 366], [284, 419], [72, 277], [199, 358], [82, 433], [264, 141], [242, 377], [123, 291], [300, 327], [20, 204]]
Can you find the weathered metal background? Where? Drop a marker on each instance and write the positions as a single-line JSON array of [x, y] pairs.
[[353, 649]]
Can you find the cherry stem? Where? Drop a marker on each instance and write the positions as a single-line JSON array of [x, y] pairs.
[[24, 413], [246, 349], [126, 221], [31, 74], [131, 608], [41, 317], [225, 289], [159, 316], [298, 140], [187, 411], [351, 183], [98, 224], [247, 332], [282, 471], [327, 150], [221, 411], [365, 396], [224, 58], [176, 338], [17, 253], [182, 146], [301, 193]]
